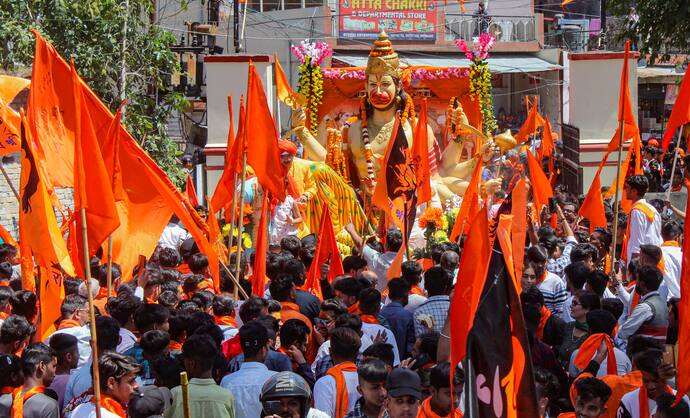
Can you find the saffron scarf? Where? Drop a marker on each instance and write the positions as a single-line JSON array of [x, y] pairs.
[[175, 346], [102, 293], [416, 290], [289, 306], [589, 348], [69, 323], [226, 320], [648, 212], [18, 399], [111, 405], [545, 315], [425, 411], [4, 315], [354, 309], [370, 319], [342, 397], [541, 279]]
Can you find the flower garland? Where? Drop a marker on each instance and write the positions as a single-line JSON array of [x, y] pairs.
[[368, 153], [413, 73], [310, 84], [335, 157], [480, 76], [435, 225]]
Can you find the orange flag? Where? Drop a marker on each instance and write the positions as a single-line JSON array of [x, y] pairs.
[[626, 111], [7, 238], [541, 187], [565, 2], [11, 86], [110, 149], [284, 91], [222, 195], [533, 121], [52, 114], [592, 207], [634, 155], [262, 151], [259, 268], [92, 184], [474, 264], [190, 192], [504, 233], [680, 115], [326, 252], [420, 156], [470, 203], [40, 235], [9, 130], [519, 230], [683, 366]]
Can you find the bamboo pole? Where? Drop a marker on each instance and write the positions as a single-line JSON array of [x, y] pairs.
[[240, 225], [235, 281], [184, 383], [109, 271], [92, 318], [232, 215], [673, 167]]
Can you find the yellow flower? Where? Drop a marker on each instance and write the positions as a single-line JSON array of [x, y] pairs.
[[440, 235]]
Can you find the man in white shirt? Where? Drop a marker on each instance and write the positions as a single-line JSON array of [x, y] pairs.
[[341, 378], [246, 383], [122, 309], [673, 257], [644, 222], [118, 375], [378, 262], [75, 316], [173, 235]]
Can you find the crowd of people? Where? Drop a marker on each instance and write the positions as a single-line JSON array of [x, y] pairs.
[[602, 334]]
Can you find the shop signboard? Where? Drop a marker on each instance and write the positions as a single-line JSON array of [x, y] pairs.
[[403, 20]]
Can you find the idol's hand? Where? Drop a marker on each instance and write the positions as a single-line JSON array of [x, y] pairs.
[[298, 118]]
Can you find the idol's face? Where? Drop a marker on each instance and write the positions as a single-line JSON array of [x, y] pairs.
[[381, 90]]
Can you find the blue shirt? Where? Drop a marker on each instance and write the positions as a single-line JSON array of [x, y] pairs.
[[401, 322], [245, 385], [436, 307], [275, 361]]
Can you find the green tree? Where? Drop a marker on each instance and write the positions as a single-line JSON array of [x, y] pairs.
[[659, 26], [91, 32]]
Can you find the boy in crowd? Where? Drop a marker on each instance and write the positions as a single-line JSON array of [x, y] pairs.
[[372, 376]]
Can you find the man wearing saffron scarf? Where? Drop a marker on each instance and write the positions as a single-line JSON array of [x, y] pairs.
[[336, 392], [15, 334], [30, 401], [378, 262], [224, 314], [601, 323], [118, 375], [369, 306], [641, 403], [442, 402], [592, 395], [673, 257], [75, 316], [644, 222], [283, 290]]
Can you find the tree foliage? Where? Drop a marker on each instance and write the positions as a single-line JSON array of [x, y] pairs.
[[91, 32], [661, 27]]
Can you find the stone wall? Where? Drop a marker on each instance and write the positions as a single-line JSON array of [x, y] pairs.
[[9, 207]]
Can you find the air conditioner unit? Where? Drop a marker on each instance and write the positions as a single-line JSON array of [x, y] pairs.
[[575, 34]]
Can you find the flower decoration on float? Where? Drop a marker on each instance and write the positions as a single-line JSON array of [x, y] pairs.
[[310, 84], [435, 225], [480, 76]]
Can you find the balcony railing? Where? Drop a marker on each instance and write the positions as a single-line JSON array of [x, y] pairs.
[[505, 28]]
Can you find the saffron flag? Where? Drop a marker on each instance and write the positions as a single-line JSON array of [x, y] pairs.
[[420, 156], [9, 130], [634, 157], [40, 235], [396, 183], [11, 86], [190, 192], [680, 115], [547, 147], [224, 189], [326, 252], [592, 207], [474, 264], [470, 203], [259, 268], [111, 154], [541, 187], [7, 238], [284, 91], [683, 366], [519, 230], [626, 111], [93, 189], [499, 351], [534, 120], [214, 235], [262, 151], [565, 2]]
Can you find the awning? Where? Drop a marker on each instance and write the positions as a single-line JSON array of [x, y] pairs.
[[497, 64], [659, 75]]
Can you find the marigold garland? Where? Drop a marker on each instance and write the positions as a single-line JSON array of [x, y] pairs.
[[480, 77], [310, 83], [335, 157]]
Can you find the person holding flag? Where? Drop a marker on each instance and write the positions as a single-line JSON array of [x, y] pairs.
[[644, 222]]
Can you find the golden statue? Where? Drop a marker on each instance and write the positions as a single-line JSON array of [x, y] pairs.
[[368, 137]]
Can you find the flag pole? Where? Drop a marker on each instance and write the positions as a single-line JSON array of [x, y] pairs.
[[9, 182], [92, 317], [109, 271], [407, 245], [621, 129], [240, 224], [673, 167]]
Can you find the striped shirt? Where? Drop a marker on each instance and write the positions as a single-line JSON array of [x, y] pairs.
[[554, 292]]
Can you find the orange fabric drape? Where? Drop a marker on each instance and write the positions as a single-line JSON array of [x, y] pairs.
[[18, 399], [370, 319], [342, 398], [626, 111], [589, 348], [111, 405], [226, 320], [545, 315]]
